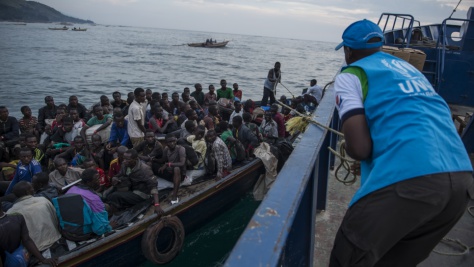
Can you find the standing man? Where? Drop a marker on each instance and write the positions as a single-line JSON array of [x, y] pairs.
[[415, 173], [269, 87], [47, 112], [136, 118]]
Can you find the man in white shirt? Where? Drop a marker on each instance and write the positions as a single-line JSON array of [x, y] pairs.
[[314, 93], [136, 117], [237, 111]]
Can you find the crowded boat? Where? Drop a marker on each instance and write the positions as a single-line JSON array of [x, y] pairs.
[[73, 171]]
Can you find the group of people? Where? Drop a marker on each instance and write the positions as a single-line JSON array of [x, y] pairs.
[[107, 158]]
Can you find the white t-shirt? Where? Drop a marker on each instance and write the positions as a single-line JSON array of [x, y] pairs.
[[135, 112], [316, 91]]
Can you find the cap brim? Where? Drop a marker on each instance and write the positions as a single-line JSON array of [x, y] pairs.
[[339, 46]]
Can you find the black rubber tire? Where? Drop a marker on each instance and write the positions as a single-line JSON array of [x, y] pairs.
[[150, 237]]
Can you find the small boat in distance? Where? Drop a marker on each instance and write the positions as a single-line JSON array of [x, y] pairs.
[[79, 29], [209, 44], [60, 29]]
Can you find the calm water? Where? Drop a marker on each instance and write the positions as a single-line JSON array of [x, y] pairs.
[[35, 62]]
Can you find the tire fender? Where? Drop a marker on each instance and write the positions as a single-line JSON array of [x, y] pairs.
[[150, 237]]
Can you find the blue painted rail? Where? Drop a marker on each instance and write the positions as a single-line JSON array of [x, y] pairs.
[[282, 230]]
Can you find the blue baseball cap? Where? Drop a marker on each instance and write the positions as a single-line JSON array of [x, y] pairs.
[[359, 33]]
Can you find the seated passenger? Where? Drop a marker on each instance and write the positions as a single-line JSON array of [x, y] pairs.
[[39, 155], [247, 118], [97, 150], [99, 118], [159, 124], [199, 145], [82, 111], [236, 149], [62, 175], [26, 168], [115, 164], [92, 218], [135, 183], [104, 180], [237, 111], [76, 154], [149, 148], [42, 186], [58, 121], [78, 123], [219, 160], [15, 236], [118, 133], [28, 124], [9, 133], [188, 130], [190, 116], [39, 214], [174, 168], [211, 121], [61, 133], [199, 112], [244, 135], [278, 118], [269, 128]]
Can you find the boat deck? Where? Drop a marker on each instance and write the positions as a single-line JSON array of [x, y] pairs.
[[339, 196]]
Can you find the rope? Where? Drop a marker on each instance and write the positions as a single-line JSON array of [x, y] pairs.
[[342, 152], [344, 164], [470, 210], [457, 242], [309, 119], [287, 90]]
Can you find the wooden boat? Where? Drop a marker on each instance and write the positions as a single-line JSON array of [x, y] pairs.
[[60, 29], [79, 29], [198, 203], [209, 45]]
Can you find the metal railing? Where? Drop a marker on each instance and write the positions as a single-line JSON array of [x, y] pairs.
[[282, 229]]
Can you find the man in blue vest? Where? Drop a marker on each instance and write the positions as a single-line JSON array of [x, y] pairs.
[[416, 176]]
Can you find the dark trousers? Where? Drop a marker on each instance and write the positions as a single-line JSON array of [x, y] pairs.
[[123, 200], [266, 94], [399, 225]]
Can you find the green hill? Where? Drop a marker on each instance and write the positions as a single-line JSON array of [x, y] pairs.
[[30, 11]]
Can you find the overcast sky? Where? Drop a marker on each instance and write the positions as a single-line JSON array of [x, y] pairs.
[[322, 20]]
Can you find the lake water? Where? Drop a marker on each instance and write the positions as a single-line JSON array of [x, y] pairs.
[[35, 62]]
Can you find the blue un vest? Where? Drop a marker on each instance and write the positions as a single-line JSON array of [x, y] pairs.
[[410, 125]]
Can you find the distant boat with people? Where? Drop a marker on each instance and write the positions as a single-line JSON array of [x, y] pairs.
[[209, 44], [79, 29]]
